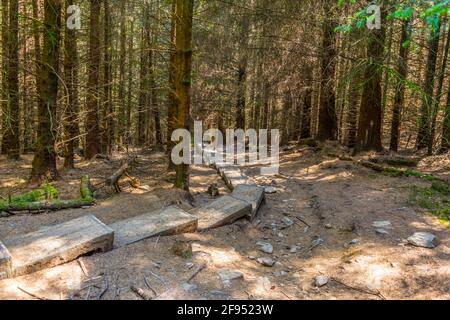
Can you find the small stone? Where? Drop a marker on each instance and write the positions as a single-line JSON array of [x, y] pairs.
[[266, 261], [188, 287], [252, 257], [287, 221], [382, 224], [320, 281], [423, 239], [317, 242], [265, 247], [280, 235], [354, 241], [189, 265], [270, 190], [381, 231], [228, 275], [294, 249], [217, 293], [328, 226], [281, 273]]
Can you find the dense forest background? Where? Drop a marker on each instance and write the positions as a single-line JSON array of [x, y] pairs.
[[136, 70]]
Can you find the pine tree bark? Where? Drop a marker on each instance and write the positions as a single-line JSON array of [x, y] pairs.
[[71, 128], [44, 161], [424, 128], [399, 98], [327, 121], [436, 103], [172, 105], [369, 122], [108, 108], [242, 74], [121, 127], [183, 77], [11, 118], [4, 71], [445, 143], [93, 142]]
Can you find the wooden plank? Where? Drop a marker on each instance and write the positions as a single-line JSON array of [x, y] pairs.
[[5, 262], [222, 211], [251, 194], [57, 244], [163, 222]]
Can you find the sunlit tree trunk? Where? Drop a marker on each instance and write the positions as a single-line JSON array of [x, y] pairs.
[[44, 162]]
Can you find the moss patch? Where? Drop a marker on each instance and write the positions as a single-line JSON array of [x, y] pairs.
[[436, 199]]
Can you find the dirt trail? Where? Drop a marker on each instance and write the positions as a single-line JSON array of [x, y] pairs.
[[338, 200]]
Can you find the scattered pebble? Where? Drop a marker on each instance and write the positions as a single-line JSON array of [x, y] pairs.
[[294, 249], [423, 239], [189, 265], [320, 281], [287, 221], [270, 190], [228, 275], [266, 261], [188, 287], [381, 231], [265, 247], [354, 241], [328, 226], [382, 224]]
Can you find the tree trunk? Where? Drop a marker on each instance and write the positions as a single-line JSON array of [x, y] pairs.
[[122, 59], [93, 145], [71, 80], [143, 109], [369, 123], [11, 118], [306, 109], [242, 74], [44, 162], [327, 123], [183, 77], [108, 119], [399, 98], [445, 144], [423, 136], [4, 70], [172, 105], [435, 108]]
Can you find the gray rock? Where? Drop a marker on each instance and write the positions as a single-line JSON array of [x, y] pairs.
[[354, 241], [381, 231], [270, 190], [281, 273], [294, 249], [382, 224], [328, 226], [189, 265], [320, 281], [188, 287], [265, 247], [266, 261], [228, 275], [423, 239], [287, 221]]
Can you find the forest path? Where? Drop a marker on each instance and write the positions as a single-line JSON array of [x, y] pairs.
[[339, 201]]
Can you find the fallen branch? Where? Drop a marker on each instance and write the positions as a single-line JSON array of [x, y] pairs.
[[203, 266], [303, 221], [54, 205], [374, 293], [105, 288], [32, 294]]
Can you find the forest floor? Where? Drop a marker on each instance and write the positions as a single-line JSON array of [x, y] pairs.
[[339, 200]]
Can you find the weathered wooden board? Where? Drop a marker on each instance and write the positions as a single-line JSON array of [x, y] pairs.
[[251, 194], [163, 222], [5, 262], [222, 211], [57, 244]]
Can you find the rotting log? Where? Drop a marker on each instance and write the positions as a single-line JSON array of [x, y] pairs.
[[396, 161], [86, 199]]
